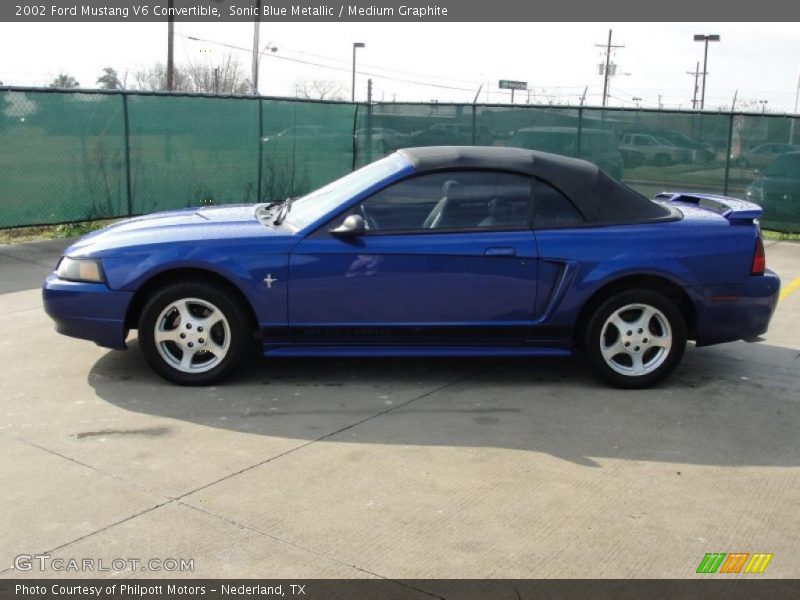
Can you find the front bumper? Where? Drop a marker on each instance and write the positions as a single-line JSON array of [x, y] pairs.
[[738, 312], [88, 311]]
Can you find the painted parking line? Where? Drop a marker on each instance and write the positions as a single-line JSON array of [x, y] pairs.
[[793, 286]]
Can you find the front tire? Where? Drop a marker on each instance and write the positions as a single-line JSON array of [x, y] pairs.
[[193, 333], [635, 338]]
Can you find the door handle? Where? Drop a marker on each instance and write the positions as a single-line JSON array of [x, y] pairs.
[[501, 251]]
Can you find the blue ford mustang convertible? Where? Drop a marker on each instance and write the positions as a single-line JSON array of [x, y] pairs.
[[438, 251]]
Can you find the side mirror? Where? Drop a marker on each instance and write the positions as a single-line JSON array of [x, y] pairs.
[[352, 226]]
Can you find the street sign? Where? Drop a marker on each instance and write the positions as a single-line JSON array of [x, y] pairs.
[[506, 84]]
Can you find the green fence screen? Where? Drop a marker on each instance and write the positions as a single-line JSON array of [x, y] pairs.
[[72, 156], [186, 151], [62, 157]]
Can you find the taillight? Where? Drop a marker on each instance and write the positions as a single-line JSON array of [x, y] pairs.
[[759, 259]]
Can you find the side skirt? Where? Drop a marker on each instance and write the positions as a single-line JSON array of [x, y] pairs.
[[413, 351]]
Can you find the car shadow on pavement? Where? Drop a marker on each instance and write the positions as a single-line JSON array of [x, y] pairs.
[[732, 405]]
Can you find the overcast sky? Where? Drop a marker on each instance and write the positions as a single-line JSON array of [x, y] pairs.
[[760, 60]]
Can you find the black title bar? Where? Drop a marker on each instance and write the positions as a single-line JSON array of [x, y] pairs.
[[400, 11]]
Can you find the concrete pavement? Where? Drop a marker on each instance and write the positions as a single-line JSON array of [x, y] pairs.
[[395, 469]]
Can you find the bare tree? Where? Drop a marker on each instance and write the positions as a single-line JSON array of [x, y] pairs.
[[155, 78], [321, 89], [223, 77], [64, 81]]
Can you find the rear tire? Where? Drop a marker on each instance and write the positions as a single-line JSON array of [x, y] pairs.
[[635, 338], [193, 333]]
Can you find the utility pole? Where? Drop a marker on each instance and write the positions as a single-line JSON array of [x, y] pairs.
[[170, 46], [608, 48], [583, 97], [696, 75], [256, 33]]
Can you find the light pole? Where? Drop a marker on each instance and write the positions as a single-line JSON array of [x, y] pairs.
[[356, 46], [257, 64], [702, 37]]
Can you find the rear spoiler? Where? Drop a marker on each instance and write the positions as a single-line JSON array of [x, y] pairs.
[[732, 209]]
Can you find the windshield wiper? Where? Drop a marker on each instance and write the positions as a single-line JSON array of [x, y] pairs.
[[286, 206]]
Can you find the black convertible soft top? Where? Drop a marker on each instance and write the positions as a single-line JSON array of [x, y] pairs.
[[599, 197]]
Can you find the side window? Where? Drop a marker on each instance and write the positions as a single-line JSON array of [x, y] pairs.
[[553, 209], [450, 200]]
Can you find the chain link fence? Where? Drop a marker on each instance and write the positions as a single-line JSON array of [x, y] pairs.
[[81, 155]]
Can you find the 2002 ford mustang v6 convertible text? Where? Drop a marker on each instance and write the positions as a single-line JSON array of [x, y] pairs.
[[457, 251]]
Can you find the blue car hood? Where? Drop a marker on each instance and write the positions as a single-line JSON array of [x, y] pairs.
[[208, 225]]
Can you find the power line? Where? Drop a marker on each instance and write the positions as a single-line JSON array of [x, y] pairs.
[[373, 74], [380, 68], [333, 68]]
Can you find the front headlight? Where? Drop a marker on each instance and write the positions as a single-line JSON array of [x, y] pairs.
[[754, 193], [80, 269]]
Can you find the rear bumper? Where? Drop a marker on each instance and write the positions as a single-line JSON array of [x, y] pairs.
[[737, 312], [89, 311]]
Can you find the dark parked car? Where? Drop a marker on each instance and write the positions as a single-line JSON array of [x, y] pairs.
[[762, 156], [778, 192], [442, 134], [700, 151], [383, 139], [596, 145]]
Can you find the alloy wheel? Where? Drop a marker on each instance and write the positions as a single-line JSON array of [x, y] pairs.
[[636, 339], [192, 335]]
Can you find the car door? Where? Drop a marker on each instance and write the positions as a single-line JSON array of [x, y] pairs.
[[564, 243], [448, 258]]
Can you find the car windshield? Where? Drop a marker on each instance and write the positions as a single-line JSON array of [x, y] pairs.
[[307, 209]]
